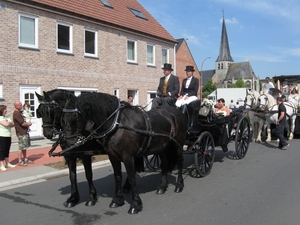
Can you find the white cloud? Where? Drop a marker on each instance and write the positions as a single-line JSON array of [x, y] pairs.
[[288, 9], [232, 21], [191, 39], [260, 58]]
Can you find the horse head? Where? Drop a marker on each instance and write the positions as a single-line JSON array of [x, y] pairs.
[[90, 112], [50, 110], [266, 102], [252, 99]]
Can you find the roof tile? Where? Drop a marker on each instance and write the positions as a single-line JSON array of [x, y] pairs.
[[119, 15]]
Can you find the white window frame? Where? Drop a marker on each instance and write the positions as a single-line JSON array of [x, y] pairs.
[[135, 51], [162, 55], [70, 36], [27, 45], [78, 90], [95, 43], [1, 91], [116, 92], [153, 55]]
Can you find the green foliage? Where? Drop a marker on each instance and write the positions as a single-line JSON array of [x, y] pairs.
[[238, 84], [208, 88]]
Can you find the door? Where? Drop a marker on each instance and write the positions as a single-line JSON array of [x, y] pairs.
[[27, 94]]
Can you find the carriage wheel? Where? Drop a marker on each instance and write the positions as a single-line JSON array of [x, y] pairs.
[[242, 137], [153, 162], [204, 153]]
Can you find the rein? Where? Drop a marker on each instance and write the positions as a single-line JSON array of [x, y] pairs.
[[94, 135]]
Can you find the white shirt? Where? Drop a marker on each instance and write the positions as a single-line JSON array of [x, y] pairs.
[[188, 81]]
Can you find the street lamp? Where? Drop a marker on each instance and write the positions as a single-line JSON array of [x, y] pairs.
[[201, 77]]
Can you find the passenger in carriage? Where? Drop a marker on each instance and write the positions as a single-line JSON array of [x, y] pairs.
[[294, 97], [221, 108], [189, 88], [168, 88]]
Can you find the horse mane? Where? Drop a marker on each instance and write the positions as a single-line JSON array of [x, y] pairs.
[[97, 107], [271, 100], [60, 96]]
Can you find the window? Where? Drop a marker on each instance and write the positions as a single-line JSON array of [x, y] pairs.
[[90, 43], [64, 38], [165, 56], [116, 92], [248, 84], [150, 55], [28, 31], [221, 66], [131, 51], [1, 91], [138, 13], [106, 3]]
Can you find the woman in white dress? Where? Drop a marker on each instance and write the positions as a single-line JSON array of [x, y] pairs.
[[294, 97]]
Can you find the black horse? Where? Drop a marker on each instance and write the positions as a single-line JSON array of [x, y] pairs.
[[50, 110], [128, 133]]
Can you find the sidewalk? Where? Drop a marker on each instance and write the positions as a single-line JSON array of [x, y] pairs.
[[38, 153]]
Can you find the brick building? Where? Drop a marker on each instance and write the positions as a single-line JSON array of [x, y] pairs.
[[185, 58], [109, 46]]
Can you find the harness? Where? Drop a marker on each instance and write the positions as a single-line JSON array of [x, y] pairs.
[[148, 133]]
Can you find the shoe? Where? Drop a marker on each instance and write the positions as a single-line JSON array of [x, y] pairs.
[[285, 147], [3, 168], [28, 161], [9, 165], [22, 163]]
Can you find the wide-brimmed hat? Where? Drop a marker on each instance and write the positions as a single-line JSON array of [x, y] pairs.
[[221, 100], [167, 66], [189, 68]]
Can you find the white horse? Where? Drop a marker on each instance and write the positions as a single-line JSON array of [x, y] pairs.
[[256, 118], [268, 104]]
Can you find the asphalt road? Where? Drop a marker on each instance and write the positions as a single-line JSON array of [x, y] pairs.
[[262, 188]]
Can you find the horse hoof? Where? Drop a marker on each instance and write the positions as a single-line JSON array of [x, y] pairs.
[[90, 203], [160, 191], [134, 210], [178, 189], [115, 205], [69, 204]]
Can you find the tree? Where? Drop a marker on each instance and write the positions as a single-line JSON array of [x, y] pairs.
[[208, 88], [238, 84]]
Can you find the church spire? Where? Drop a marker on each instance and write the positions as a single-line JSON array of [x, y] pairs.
[[224, 54]]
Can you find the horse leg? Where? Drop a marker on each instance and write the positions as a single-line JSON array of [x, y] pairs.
[[162, 187], [259, 130], [74, 198], [136, 206], [87, 163], [118, 199], [179, 183]]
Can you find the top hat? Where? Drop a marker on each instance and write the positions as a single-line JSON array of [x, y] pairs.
[[189, 68], [167, 66]]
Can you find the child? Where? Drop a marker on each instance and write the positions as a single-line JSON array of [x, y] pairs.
[[26, 113]]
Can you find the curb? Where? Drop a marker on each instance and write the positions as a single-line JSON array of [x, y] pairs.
[[45, 176]]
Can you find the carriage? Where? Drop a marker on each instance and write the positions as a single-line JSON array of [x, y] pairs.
[[128, 134], [207, 131]]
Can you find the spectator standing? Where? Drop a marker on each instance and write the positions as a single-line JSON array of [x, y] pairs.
[[5, 138], [231, 105], [21, 127]]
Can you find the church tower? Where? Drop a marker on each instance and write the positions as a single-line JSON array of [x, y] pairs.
[[224, 59]]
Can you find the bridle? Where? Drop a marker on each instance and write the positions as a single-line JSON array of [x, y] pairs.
[[55, 108]]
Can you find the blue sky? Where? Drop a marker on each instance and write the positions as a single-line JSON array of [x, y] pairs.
[[264, 32]]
